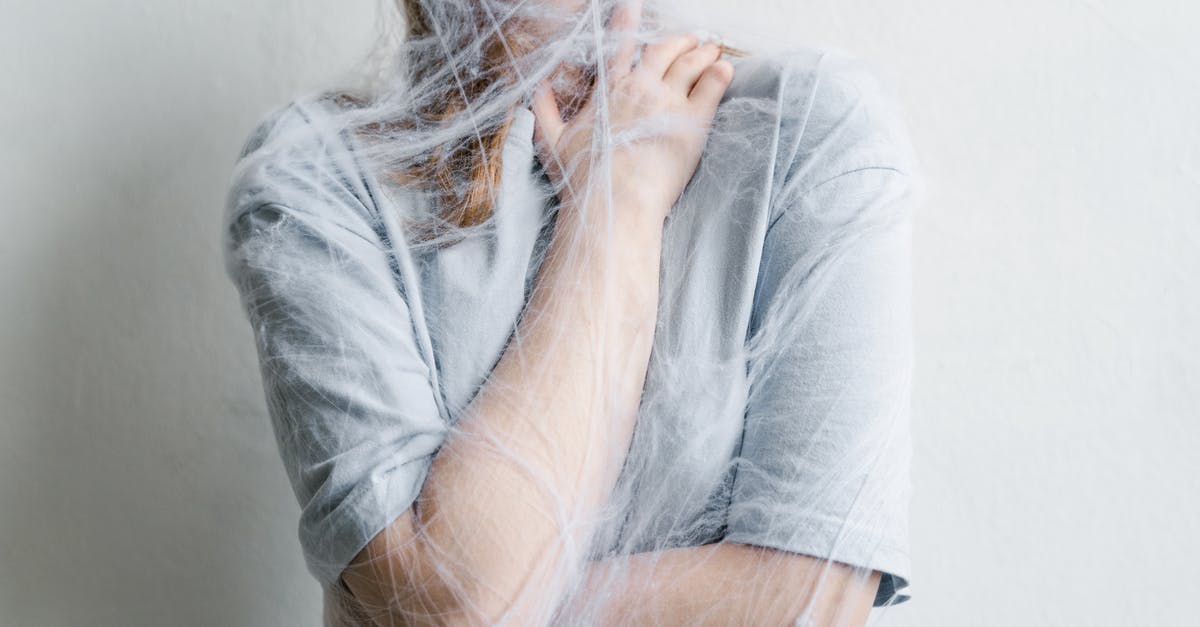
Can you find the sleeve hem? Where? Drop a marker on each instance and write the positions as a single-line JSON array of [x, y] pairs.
[[891, 561], [329, 550]]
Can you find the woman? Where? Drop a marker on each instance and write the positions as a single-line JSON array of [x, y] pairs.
[[569, 320]]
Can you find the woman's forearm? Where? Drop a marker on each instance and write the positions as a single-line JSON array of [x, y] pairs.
[[726, 584], [539, 448], [535, 452]]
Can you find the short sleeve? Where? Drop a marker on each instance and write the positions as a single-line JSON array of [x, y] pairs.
[[349, 397], [824, 464]]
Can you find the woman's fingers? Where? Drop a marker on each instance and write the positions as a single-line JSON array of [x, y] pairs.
[[659, 56], [712, 85], [624, 23], [686, 70]]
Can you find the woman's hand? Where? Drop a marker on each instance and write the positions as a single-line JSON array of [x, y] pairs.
[[659, 113]]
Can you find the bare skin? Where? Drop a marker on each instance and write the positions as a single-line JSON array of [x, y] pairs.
[[502, 518]]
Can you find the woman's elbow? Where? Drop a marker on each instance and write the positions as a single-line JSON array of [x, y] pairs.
[[394, 580]]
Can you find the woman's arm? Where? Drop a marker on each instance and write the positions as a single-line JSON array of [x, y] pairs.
[[502, 522], [727, 583], [533, 453], [824, 464]]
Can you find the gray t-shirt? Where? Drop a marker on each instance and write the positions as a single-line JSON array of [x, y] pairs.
[[776, 405]]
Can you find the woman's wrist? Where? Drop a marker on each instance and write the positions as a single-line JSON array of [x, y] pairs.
[[622, 222], [618, 258]]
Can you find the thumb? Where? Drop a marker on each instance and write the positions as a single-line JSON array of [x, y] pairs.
[[548, 122]]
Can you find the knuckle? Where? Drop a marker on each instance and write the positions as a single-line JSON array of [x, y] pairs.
[[691, 58], [722, 71], [698, 59], [650, 95], [686, 44], [642, 80]]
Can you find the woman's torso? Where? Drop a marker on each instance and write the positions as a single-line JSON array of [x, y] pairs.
[[676, 480]]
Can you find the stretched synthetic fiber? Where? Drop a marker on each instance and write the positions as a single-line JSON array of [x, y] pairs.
[[387, 237]]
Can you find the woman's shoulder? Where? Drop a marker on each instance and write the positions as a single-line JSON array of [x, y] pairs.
[[825, 101], [317, 116], [297, 153]]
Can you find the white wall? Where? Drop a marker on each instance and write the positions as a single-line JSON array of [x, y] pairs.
[[1058, 317]]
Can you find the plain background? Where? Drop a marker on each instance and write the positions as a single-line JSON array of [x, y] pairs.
[[1057, 394]]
